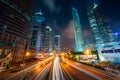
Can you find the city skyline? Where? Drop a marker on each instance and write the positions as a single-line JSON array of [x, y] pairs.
[[60, 8], [61, 40]]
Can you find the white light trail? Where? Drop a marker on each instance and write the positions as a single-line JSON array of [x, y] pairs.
[[27, 69], [57, 72]]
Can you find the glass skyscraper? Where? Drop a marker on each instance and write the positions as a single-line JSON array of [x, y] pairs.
[[38, 32], [79, 43], [100, 28], [48, 40], [57, 43]]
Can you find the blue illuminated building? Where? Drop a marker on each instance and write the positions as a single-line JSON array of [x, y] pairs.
[[38, 32], [57, 43], [102, 34], [117, 36], [79, 43], [48, 40]]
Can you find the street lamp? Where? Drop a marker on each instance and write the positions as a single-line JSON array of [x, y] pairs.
[[27, 53]]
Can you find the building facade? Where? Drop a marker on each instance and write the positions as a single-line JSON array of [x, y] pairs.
[[99, 26], [79, 43], [15, 16], [57, 43], [38, 28], [117, 36], [48, 40], [110, 53]]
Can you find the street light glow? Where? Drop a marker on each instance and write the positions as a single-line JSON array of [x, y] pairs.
[[27, 53], [87, 52]]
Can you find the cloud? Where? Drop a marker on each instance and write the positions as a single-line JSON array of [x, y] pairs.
[[69, 31], [67, 36], [52, 6], [58, 9]]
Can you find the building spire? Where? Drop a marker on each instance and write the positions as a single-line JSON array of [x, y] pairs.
[[95, 5], [40, 12]]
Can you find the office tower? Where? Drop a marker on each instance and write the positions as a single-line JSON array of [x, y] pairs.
[[57, 43], [15, 16], [117, 36], [38, 32], [79, 43], [99, 26], [48, 40]]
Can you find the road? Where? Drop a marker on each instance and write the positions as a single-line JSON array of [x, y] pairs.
[[43, 73], [33, 72], [56, 70], [83, 72], [75, 74]]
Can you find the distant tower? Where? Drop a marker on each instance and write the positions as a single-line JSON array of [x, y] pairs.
[[57, 43], [79, 43], [48, 40], [99, 26]]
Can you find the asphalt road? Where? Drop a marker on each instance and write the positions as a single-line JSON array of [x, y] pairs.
[[80, 70], [75, 74], [33, 72], [56, 71], [44, 72], [50, 69]]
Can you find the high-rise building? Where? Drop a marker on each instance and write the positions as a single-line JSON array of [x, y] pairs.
[[48, 40], [57, 43], [15, 16], [79, 43], [99, 26], [117, 36], [38, 32]]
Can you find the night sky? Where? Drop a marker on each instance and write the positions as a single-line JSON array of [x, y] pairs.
[[59, 17]]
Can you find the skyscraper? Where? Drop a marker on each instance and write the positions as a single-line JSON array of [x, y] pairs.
[[79, 43], [38, 32], [15, 16], [117, 36], [57, 43], [48, 40], [99, 26]]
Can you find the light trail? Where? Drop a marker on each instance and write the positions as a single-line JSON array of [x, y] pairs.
[[57, 72], [88, 70], [66, 73], [76, 74], [84, 71], [43, 73], [27, 69]]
